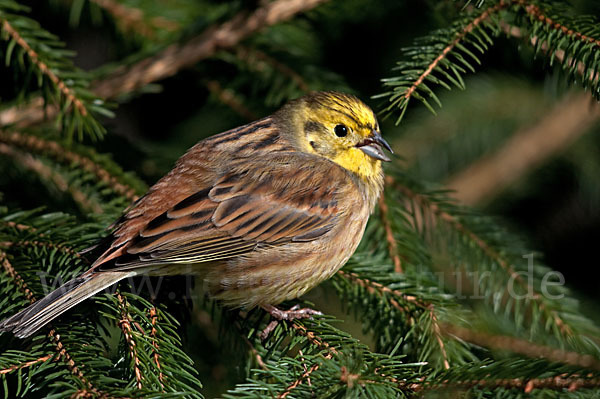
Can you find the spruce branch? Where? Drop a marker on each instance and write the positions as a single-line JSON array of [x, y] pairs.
[[389, 234], [229, 98], [133, 19], [174, 58], [560, 382], [125, 325], [34, 57], [59, 80], [440, 59], [47, 174], [424, 203], [52, 335], [25, 364], [527, 148], [258, 60], [113, 178], [523, 347], [153, 313]]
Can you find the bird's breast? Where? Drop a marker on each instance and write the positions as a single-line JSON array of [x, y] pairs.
[[271, 275]]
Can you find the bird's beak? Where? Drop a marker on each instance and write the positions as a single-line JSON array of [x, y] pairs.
[[372, 146]]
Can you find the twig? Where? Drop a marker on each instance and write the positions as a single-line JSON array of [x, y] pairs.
[[483, 246], [438, 336], [459, 37], [174, 58], [52, 335], [132, 19], [33, 56], [523, 347], [537, 13], [313, 339], [557, 383], [389, 234], [372, 286], [153, 333], [528, 148], [62, 154], [228, 97], [250, 55], [46, 173], [25, 365], [125, 325]]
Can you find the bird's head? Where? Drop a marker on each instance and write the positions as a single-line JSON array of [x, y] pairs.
[[338, 127]]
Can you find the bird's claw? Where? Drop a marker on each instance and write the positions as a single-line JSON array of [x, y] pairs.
[[293, 313]]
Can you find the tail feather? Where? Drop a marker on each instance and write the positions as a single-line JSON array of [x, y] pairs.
[[39, 313]]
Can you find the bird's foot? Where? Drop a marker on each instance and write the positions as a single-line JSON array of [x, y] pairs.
[[293, 313]]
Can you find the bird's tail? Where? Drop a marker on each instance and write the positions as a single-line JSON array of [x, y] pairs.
[[34, 317]]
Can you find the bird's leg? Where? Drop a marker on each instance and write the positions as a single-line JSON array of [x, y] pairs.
[[295, 312]]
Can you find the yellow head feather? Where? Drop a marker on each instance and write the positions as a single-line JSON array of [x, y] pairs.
[[335, 125]]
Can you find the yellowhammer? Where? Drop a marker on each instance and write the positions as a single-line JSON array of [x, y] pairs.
[[263, 212]]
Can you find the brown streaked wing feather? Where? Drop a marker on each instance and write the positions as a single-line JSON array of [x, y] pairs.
[[267, 202]]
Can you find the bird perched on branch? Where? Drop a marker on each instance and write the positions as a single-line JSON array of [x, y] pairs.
[[262, 212]]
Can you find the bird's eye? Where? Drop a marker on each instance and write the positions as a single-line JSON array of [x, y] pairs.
[[341, 130]]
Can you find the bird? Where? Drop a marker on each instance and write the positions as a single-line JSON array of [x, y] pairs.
[[262, 212]]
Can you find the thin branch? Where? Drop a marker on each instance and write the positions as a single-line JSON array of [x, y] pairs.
[[484, 247], [557, 383], [523, 347], [50, 148], [459, 37], [52, 335], [389, 235], [33, 56], [228, 97], [317, 341], [172, 59], [251, 55], [46, 173], [437, 331], [34, 243], [125, 325], [373, 286], [153, 333], [527, 149], [25, 365], [132, 19], [534, 11]]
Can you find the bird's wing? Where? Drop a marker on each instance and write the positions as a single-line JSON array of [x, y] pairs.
[[265, 204]]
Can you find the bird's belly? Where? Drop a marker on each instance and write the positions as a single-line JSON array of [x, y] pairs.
[[276, 274]]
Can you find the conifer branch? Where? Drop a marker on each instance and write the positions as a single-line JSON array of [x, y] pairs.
[[490, 252], [41, 244], [34, 57], [483, 179], [153, 333], [53, 149], [125, 326], [252, 55], [557, 383], [228, 97], [389, 234], [450, 47], [535, 12], [25, 365], [523, 347], [373, 286], [47, 174], [52, 335], [175, 57], [132, 19]]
